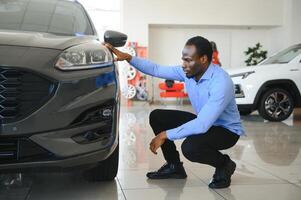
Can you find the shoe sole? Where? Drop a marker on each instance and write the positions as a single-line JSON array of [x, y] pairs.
[[220, 187], [225, 186], [173, 176]]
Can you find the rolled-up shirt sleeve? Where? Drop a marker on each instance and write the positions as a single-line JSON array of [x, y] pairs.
[[220, 96], [153, 69]]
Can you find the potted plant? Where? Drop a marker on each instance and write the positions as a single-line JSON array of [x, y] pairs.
[[255, 55]]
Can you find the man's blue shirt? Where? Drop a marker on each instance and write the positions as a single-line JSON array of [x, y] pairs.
[[212, 98]]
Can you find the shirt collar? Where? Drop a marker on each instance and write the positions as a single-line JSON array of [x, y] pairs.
[[208, 73]]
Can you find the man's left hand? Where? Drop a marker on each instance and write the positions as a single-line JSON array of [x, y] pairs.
[[157, 142]]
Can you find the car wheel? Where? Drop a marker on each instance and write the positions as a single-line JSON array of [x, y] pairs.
[[276, 105], [105, 170]]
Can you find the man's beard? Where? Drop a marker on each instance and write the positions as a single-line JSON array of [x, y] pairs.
[[189, 75]]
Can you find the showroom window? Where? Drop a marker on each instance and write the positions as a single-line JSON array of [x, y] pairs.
[[104, 14]]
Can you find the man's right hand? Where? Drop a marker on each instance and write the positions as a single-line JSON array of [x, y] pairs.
[[121, 56]]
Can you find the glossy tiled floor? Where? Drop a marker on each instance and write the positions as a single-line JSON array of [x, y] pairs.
[[268, 167]]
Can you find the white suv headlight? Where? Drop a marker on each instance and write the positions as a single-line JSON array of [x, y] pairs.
[[84, 56], [242, 75]]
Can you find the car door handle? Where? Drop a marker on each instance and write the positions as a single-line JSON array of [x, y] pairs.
[[294, 70]]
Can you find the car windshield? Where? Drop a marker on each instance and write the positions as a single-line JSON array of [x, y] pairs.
[[50, 16], [284, 56]]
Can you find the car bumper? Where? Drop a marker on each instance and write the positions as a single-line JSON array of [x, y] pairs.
[[60, 149]]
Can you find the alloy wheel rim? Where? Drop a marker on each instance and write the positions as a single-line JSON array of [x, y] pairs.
[[278, 105]]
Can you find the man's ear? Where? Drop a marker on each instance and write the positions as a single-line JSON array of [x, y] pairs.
[[204, 59]]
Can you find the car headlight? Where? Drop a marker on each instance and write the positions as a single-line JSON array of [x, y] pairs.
[[84, 56], [243, 75]]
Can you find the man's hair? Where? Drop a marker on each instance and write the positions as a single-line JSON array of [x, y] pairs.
[[203, 46]]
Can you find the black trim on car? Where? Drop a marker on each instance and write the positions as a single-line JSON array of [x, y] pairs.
[[18, 150], [246, 107], [22, 92], [77, 162]]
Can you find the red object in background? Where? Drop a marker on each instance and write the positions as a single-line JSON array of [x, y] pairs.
[[215, 59], [175, 91], [135, 80], [141, 52], [132, 44], [139, 81]]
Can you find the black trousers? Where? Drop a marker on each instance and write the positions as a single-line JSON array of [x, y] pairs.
[[201, 148]]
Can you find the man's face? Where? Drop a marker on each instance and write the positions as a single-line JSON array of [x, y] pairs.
[[193, 64]]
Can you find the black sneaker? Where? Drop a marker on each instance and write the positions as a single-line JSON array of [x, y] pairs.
[[222, 176], [169, 170]]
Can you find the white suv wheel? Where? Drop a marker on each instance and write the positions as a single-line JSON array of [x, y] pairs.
[[276, 105]]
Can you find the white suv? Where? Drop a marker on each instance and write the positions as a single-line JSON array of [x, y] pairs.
[[273, 87]]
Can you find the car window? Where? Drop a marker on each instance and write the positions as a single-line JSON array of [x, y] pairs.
[[51, 16], [284, 56]]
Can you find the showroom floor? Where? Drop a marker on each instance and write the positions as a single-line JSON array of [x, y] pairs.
[[268, 167]]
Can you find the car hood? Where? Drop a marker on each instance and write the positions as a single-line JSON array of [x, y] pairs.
[[41, 40], [247, 69]]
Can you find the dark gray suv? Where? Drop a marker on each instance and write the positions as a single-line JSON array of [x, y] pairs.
[[59, 91]]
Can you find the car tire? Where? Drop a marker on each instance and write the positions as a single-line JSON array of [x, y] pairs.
[[276, 105], [105, 170]]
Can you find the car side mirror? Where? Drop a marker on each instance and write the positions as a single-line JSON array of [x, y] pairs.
[[116, 39]]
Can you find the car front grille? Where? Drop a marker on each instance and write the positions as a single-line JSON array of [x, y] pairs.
[[21, 150], [21, 93]]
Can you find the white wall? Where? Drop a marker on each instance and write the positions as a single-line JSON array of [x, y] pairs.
[[296, 22], [280, 17], [138, 14], [166, 42], [290, 31]]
